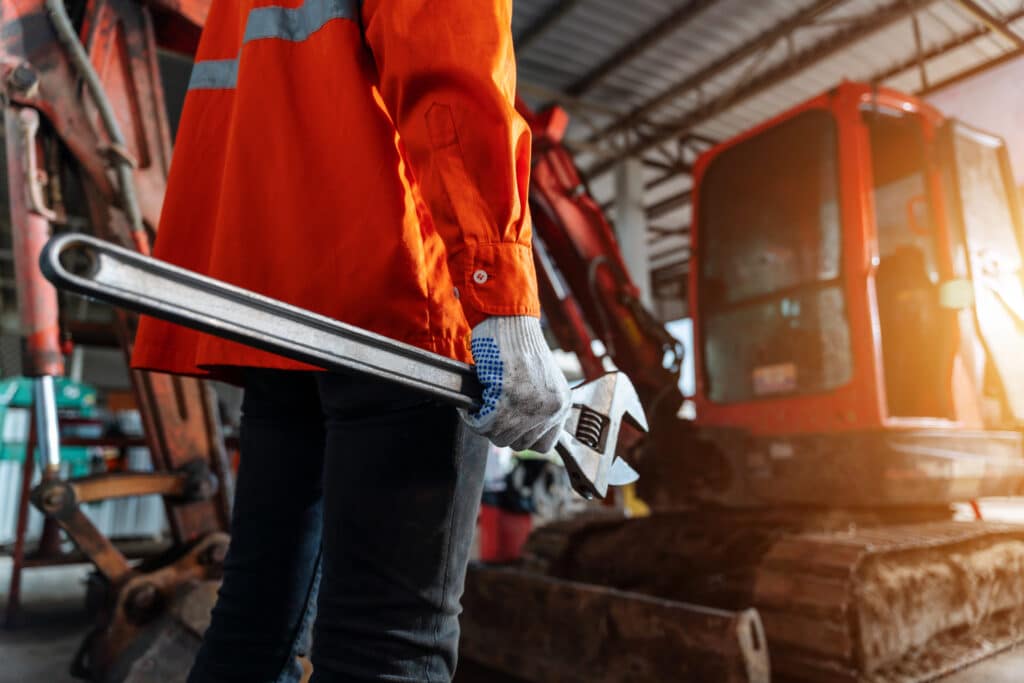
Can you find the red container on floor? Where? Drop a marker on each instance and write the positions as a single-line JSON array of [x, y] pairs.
[[502, 533]]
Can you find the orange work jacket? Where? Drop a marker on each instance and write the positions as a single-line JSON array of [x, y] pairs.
[[363, 160]]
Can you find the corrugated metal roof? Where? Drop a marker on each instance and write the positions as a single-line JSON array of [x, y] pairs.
[[585, 33], [592, 30]]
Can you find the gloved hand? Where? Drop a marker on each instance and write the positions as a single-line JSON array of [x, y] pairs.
[[526, 398]]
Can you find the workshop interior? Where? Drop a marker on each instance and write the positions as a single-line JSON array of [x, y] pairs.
[[778, 250]]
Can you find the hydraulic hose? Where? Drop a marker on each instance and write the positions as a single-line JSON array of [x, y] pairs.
[[119, 157]]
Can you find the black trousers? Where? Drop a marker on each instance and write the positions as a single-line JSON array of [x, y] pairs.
[[355, 508]]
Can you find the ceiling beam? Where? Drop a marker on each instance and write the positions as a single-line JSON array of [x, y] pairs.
[[672, 272], [703, 139], [797, 63], [681, 171], [657, 233], [973, 71], [922, 69], [693, 81], [996, 24], [683, 249], [939, 50], [659, 164], [662, 230], [678, 18], [668, 205], [544, 22]]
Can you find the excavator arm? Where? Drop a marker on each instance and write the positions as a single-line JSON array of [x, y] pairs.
[[586, 291]]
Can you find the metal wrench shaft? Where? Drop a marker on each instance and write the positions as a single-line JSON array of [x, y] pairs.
[[127, 279]]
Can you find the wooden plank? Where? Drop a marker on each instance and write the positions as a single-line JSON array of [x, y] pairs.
[[554, 631]]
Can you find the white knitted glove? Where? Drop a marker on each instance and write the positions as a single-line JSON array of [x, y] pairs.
[[526, 398]]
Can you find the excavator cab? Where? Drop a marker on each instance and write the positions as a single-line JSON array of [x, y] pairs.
[[858, 307]]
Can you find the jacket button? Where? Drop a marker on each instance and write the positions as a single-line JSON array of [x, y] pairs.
[[480, 277]]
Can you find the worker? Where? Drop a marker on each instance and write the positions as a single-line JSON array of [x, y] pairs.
[[364, 160]]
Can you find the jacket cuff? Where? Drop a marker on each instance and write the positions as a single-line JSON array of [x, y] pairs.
[[497, 279]]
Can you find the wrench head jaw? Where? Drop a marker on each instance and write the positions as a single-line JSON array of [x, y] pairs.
[[614, 398], [591, 433], [626, 402], [587, 469]]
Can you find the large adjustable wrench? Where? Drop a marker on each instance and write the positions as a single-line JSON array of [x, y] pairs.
[[101, 270]]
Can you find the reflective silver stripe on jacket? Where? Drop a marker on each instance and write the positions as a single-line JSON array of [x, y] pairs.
[[213, 74], [282, 23]]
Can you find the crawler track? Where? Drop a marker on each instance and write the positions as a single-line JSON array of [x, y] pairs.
[[899, 603], [859, 596]]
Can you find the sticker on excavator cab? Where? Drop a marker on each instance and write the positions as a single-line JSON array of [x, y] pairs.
[[779, 378]]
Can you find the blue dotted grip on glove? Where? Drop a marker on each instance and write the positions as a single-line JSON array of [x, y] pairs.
[[490, 371]]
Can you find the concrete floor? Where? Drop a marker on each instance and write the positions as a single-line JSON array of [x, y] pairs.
[[1007, 667], [50, 627], [53, 622]]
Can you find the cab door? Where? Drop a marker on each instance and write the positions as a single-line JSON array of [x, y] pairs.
[[986, 203], [916, 334]]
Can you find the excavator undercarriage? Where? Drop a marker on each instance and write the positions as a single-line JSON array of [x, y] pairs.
[[841, 596]]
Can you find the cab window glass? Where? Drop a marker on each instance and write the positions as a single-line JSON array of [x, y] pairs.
[[770, 252], [903, 213]]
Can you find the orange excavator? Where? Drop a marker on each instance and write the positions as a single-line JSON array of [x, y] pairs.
[[856, 296]]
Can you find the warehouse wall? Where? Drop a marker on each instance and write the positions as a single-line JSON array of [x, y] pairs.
[[992, 101]]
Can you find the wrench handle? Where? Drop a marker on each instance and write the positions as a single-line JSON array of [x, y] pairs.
[[118, 276]]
